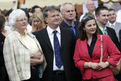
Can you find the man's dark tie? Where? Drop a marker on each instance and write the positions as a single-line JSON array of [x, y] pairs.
[[57, 51]]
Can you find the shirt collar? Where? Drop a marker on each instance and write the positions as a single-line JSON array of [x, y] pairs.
[[69, 25], [20, 34], [50, 30], [110, 24], [102, 27]]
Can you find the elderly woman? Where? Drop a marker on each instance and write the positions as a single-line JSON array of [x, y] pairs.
[[23, 55], [37, 21], [88, 52]]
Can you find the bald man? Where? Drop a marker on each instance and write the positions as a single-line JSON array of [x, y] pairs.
[[90, 7]]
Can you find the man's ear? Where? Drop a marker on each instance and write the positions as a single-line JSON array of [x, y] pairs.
[[46, 21], [96, 16], [62, 14]]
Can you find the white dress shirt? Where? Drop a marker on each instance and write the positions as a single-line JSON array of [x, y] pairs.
[[112, 25], [104, 29], [29, 28], [7, 30], [51, 37]]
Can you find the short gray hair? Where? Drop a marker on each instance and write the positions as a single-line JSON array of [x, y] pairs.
[[14, 15], [61, 8], [49, 8]]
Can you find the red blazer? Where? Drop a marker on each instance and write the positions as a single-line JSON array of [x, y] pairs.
[[81, 56]]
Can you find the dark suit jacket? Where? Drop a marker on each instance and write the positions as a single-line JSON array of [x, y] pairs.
[[112, 34], [63, 24], [67, 49], [120, 37], [77, 72], [119, 76], [2, 37]]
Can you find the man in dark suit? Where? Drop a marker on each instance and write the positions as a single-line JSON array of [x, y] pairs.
[[46, 38], [69, 14], [102, 19]]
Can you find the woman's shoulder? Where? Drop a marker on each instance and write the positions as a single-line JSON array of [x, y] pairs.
[[10, 35], [79, 40], [106, 36]]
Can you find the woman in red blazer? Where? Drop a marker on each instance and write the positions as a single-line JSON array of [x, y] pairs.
[[87, 52]]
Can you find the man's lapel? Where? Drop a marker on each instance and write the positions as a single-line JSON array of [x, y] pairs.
[[63, 37], [46, 37]]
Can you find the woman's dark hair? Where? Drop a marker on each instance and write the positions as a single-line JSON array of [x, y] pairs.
[[85, 19], [7, 14], [2, 21]]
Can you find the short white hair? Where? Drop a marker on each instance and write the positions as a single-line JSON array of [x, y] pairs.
[[61, 8], [14, 15]]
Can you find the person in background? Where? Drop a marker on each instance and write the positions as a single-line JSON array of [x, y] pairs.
[[4, 12], [3, 72], [36, 8], [37, 21], [68, 13], [29, 27], [7, 30], [90, 7], [102, 16], [0, 12], [24, 59], [6, 16], [58, 47], [30, 19], [87, 52], [113, 23]]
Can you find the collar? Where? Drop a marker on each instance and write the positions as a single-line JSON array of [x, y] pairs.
[[50, 30], [101, 28], [110, 24], [21, 35], [26, 33], [69, 25]]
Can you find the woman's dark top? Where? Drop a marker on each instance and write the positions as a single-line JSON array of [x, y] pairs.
[[91, 47]]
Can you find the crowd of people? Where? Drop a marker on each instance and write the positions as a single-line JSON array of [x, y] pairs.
[[52, 45]]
